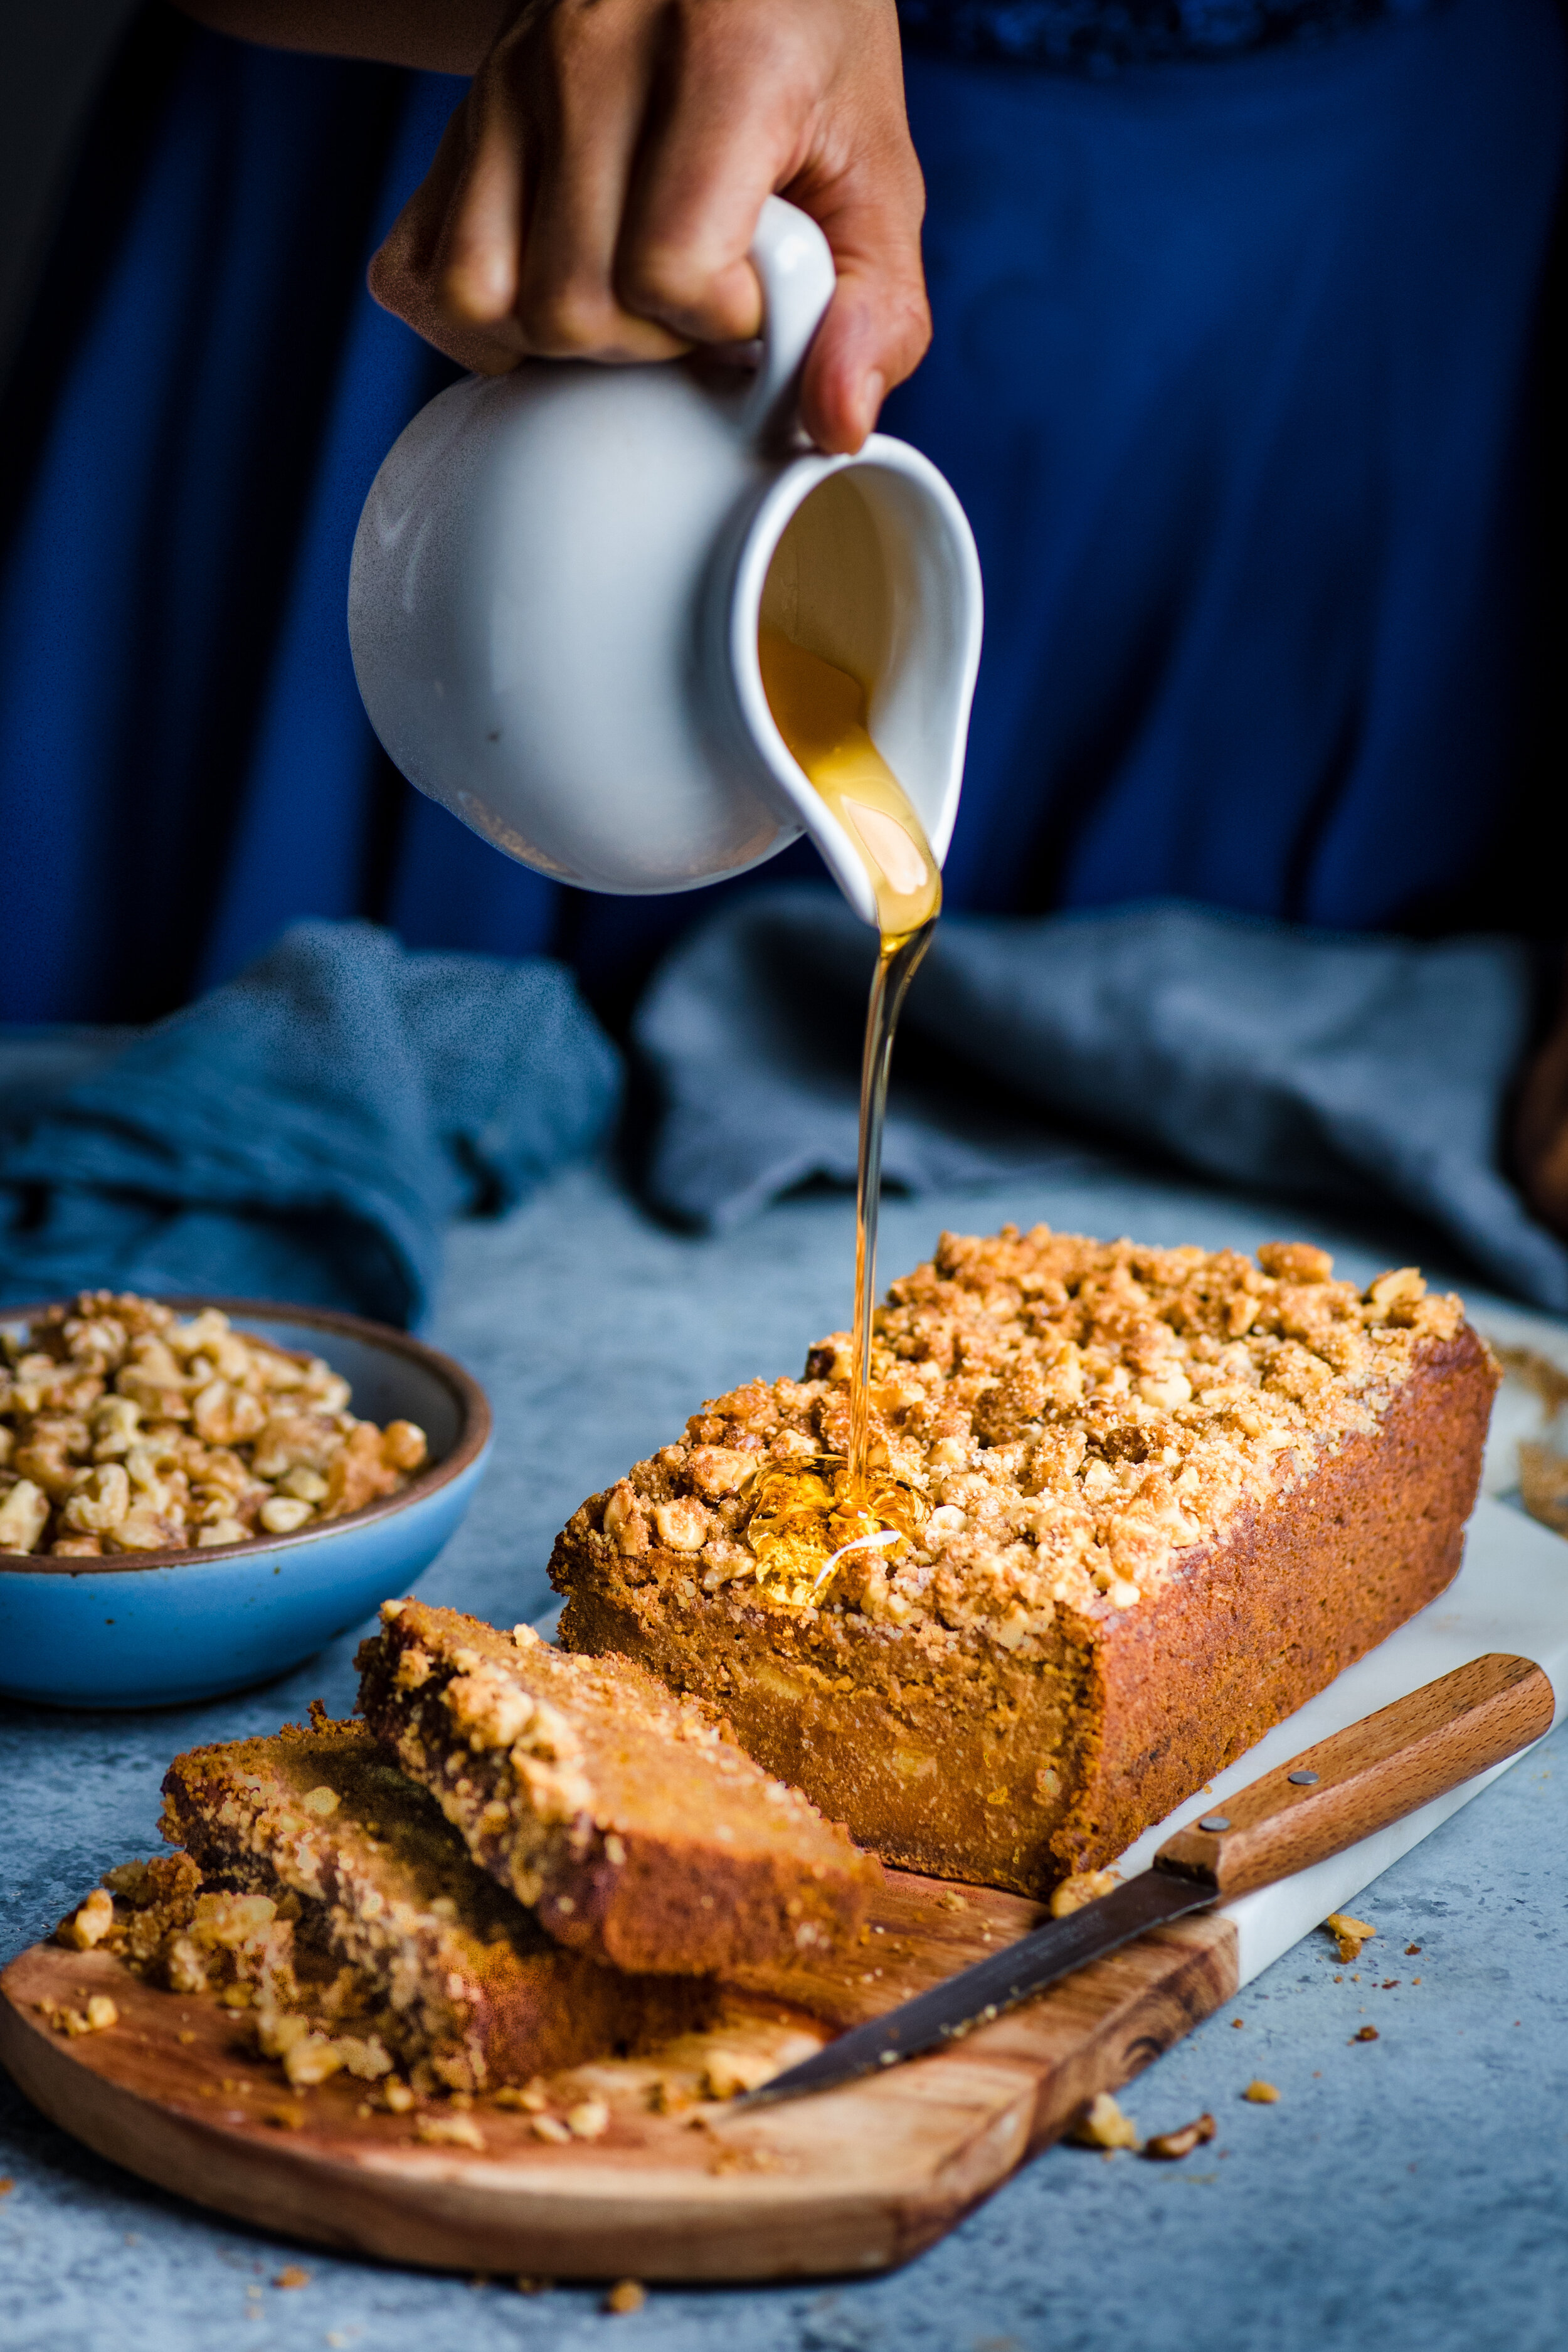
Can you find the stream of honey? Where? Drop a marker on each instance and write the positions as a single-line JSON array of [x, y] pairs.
[[805, 1517]]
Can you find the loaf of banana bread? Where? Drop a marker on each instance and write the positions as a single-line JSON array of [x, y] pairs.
[[422, 1948], [1155, 1498], [631, 1819]]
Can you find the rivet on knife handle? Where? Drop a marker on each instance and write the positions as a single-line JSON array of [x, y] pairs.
[[1366, 1776]]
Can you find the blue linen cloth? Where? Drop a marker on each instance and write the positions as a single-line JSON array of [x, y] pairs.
[[1367, 1072], [303, 1133]]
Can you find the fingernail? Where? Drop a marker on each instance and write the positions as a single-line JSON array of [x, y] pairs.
[[872, 397]]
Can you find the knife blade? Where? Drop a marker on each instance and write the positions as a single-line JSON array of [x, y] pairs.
[[1330, 1796]]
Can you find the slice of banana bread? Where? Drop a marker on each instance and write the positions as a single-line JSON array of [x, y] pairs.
[[630, 1819], [451, 1972], [1167, 1496]]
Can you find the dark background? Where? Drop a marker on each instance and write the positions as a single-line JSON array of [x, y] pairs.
[[51, 59]]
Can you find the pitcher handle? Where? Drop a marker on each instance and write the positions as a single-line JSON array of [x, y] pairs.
[[792, 259]]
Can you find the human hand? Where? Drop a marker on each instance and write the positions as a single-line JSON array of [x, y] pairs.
[[594, 196]]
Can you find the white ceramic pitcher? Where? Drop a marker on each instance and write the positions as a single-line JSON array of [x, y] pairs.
[[558, 579]]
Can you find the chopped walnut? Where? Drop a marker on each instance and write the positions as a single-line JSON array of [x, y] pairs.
[[124, 1429], [727, 2072], [1103, 2124], [1349, 1934], [449, 2131], [90, 1926], [683, 1525], [1074, 1892], [100, 2014], [1169, 2148]]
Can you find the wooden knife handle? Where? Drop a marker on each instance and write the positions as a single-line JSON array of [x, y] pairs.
[[1370, 1774]]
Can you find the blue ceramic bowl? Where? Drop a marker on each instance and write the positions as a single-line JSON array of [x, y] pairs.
[[157, 1629]]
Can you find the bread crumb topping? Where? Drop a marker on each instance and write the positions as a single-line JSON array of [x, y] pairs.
[[1076, 1414]]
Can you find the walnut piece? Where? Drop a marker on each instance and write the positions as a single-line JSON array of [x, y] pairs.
[[1169, 2148], [1103, 2124], [1088, 1886], [1349, 1934], [124, 1429]]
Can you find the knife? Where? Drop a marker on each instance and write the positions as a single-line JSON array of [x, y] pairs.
[[1330, 1796]]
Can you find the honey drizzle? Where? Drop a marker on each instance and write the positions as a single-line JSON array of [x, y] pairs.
[[896, 967], [805, 1516]]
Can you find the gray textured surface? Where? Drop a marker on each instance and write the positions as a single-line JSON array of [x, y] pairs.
[[1408, 2192]]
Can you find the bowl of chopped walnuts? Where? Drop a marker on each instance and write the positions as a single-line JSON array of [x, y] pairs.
[[196, 1494]]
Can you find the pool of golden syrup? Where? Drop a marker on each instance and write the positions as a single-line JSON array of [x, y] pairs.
[[805, 1518]]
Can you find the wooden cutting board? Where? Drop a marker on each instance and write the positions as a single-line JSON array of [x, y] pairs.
[[852, 2180]]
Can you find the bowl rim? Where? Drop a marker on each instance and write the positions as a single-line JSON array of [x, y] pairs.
[[474, 1430]]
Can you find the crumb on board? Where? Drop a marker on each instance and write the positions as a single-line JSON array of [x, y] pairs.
[[98, 2016], [1103, 2124], [1410, 1950], [532, 2097], [1367, 2033], [627, 2294], [1169, 2148], [729, 2073], [1349, 1934], [1087, 1886], [292, 2276], [449, 2131], [526, 2283], [1261, 2094], [754, 2159]]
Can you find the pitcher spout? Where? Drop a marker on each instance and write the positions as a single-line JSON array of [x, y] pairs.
[[868, 564]]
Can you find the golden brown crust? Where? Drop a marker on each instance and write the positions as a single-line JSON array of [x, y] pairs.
[[1323, 1503], [449, 1969], [640, 1830]]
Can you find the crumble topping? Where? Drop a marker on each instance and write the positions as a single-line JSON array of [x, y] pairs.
[[1075, 1415]]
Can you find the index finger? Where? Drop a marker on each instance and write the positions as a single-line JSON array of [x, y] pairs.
[[727, 127]]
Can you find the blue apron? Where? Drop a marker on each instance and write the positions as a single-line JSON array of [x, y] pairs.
[[1234, 371]]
